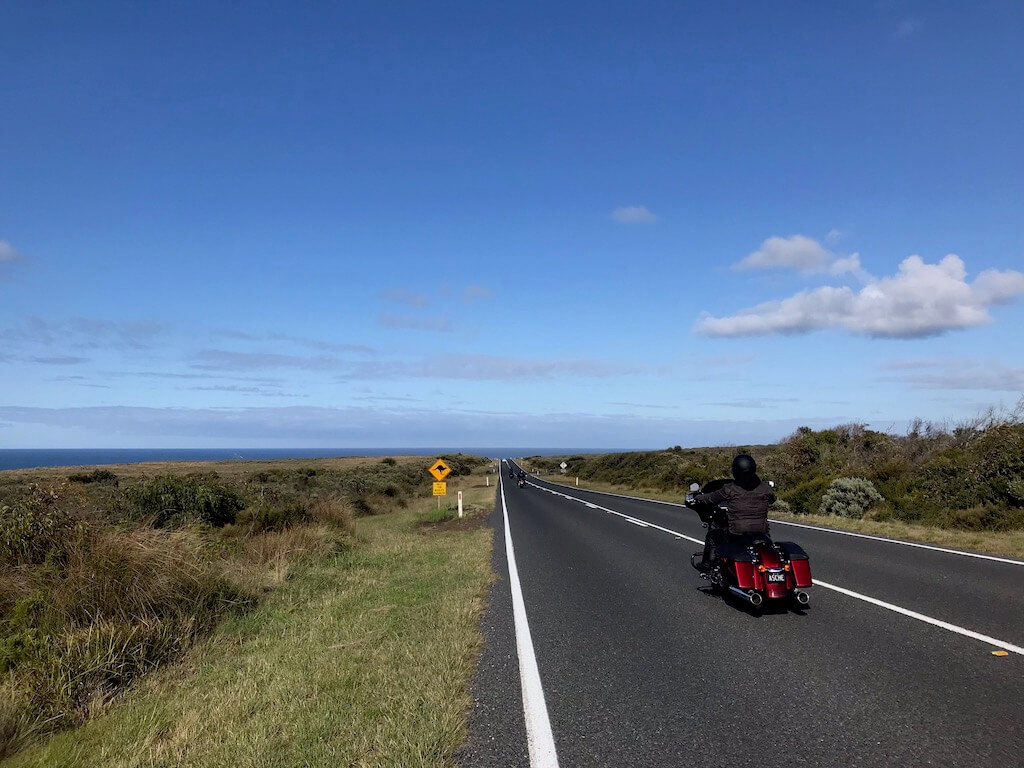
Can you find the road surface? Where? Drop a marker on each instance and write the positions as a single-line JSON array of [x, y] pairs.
[[629, 661]]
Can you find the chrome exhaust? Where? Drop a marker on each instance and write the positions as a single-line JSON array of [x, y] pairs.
[[802, 597], [754, 598]]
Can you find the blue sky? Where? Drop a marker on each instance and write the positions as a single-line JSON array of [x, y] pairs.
[[465, 224]]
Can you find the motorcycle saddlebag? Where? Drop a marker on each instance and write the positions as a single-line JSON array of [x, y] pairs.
[[798, 559]]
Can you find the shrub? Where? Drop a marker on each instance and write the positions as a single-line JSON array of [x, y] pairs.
[[277, 517], [805, 498], [850, 497], [171, 501], [1015, 490], [96, 476], [35, 528]]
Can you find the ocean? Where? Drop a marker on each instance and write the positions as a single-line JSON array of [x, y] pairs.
[[27, 458]]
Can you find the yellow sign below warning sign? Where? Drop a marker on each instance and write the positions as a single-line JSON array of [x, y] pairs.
[[440, 489], [440, 470]]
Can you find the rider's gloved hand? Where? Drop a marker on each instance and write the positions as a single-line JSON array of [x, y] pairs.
[[689, 498]]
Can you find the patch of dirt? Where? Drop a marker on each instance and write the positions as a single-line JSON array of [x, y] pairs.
[[467, 523]]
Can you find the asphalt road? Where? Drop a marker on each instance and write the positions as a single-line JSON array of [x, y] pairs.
[[640, 666]]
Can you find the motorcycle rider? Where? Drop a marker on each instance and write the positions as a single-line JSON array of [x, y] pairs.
[[747, 499]]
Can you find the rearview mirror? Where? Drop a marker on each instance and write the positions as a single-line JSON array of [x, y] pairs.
[[694, 487]]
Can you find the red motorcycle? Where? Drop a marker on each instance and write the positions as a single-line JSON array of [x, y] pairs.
[[754, 569]]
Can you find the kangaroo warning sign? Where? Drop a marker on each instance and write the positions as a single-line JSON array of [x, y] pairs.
[[440, 470]]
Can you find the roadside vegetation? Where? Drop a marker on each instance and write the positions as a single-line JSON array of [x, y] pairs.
[[965, 480], [107, 575]]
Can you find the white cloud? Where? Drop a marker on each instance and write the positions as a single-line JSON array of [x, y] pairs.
[[407, 298], [405, 322], [7, 256], [488, 368], [795, 252], [847, 265], [7, 252], [920, 300], [957, 374], [908, 27], [633, 214], [804, 254]]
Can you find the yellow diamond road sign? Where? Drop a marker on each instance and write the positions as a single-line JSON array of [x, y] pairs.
[[440, 470]]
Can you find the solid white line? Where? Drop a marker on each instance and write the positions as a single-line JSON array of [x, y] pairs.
[[540, 739], [828, 530], [922, 617], [849, 592]]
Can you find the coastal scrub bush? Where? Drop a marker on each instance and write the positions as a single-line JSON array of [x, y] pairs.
[[805, 498], [850, 497], [96, 476], [172, 501], [34, 528]]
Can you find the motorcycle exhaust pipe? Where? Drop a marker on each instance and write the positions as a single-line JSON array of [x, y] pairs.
[[754, 598], [802, 597]]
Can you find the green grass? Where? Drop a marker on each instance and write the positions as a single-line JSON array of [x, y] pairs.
[[358, 659]]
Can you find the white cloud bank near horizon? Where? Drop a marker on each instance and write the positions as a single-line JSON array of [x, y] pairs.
[[376, 427], [921, 300]]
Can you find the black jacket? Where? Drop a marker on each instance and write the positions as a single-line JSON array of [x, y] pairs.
[[748, 507]]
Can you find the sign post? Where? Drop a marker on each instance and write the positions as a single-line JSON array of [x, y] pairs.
[[440, 471], [460, 505]]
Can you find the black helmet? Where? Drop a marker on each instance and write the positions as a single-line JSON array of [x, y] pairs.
[[744, 466]]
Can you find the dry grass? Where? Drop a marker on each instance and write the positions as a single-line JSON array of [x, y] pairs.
[[361, 658], [226, 469], [88, 606]]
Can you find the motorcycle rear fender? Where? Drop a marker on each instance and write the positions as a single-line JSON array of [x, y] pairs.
[[802, 572], [800, 563], [745, 574]]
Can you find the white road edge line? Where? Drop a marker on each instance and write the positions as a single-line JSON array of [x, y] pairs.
[[850, 593], [540, 739], [827, 530]]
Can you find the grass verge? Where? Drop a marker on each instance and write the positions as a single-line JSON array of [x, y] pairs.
[[1005, 543], [362, 658]]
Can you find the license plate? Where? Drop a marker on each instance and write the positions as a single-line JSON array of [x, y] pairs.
[[777, 577]]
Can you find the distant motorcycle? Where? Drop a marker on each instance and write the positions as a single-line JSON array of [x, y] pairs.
[[755, 570], [522, 482]]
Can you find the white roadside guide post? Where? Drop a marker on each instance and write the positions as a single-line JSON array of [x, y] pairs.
[[460, 504]]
